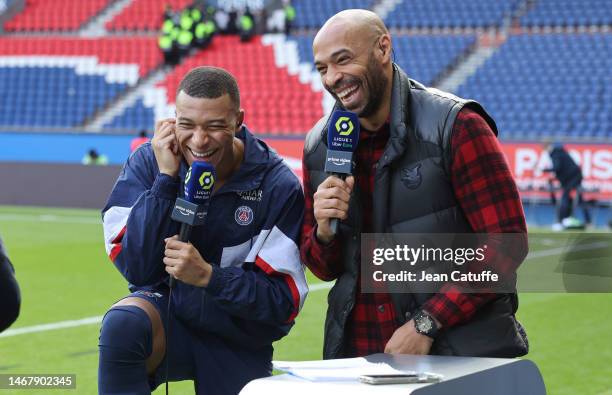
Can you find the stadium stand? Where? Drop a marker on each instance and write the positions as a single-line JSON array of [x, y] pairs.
[[51, 96], [56, 15], [450, 13], [64, 81], [312, 14], [275, 102], [518, 70], [142, 15], [551, 85], [569, 13]]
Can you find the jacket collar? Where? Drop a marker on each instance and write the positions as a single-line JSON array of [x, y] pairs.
[[400, 97]]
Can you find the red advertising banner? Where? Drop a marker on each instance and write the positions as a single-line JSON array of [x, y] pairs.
[[527, 162]]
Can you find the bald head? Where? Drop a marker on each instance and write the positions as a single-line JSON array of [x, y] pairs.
[[356, 23]]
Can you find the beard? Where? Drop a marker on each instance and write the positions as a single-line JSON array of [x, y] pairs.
[[374, 83]]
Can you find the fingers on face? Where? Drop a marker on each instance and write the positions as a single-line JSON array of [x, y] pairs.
[[164, 128]]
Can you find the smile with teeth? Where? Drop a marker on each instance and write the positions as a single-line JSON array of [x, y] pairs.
[[203, 155], [346, 93]]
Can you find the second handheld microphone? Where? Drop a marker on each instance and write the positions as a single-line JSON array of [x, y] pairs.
[[342, 140]]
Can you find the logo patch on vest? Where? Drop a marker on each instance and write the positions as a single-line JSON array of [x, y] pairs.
[[243, 215], [411, 176]]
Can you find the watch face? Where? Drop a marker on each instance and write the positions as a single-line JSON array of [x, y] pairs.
[[424, 324]]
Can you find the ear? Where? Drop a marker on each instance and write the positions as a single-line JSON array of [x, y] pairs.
[[239, 119], [384, 48]]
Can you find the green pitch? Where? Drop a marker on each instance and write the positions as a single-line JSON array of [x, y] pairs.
[[65, 276]]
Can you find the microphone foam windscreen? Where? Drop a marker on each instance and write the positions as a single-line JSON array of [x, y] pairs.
[[343, 131], [199, 182]]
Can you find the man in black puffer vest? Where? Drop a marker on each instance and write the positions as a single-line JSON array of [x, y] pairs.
[[427, 162]]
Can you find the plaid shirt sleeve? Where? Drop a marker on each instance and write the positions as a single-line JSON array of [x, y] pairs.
[[486, 191], [323, 260]]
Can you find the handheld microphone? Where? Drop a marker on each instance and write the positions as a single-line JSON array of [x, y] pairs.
[[342, 140], [191, 211]]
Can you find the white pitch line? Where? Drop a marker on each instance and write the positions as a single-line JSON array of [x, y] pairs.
[[52, 326], [312, 288], [50, 218], [320, 286], [95, 320]]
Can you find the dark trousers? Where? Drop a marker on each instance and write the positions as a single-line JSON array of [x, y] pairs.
[[217, 366], [566, 207]]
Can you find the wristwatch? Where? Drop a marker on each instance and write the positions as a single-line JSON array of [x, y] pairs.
[[425, 324]]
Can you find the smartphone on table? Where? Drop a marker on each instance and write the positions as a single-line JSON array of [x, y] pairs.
[[405, 378]]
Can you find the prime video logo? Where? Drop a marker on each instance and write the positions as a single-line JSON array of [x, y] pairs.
[[339, 161], [185, 211]]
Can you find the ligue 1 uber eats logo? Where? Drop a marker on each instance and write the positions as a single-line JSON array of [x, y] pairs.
[[344, 126], [206, 180]]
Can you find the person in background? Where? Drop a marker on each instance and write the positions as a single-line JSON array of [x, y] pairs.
[[204, 32], [289, 16], [247, 26], [139, 140], [569, 175], [93, 158], [10, 297], [168, 36]]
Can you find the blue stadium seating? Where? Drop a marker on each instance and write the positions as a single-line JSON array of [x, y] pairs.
[[555, 85], [423, 58], [450, 13], [569, 13], [136, 117], [312, 14], [51, 96]]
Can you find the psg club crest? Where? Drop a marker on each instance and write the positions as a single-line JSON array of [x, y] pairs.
[[243, 215]]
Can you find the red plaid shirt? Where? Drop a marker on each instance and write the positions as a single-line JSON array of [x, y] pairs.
[[487, 194]]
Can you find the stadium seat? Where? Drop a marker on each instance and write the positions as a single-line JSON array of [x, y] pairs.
[[450, 13], [56, 15], [569, 13], [143, 15], [312, 14]]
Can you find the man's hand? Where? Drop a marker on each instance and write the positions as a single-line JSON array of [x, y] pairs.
[[166, 147], [406, 340], [185, 263], [331, 200]]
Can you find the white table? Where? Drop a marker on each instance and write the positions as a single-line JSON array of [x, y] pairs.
[[462, 375]]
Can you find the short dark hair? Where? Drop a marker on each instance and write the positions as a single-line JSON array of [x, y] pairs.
[[211, 83]]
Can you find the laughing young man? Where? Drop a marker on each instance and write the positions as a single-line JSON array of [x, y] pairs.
[[240, 282]]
